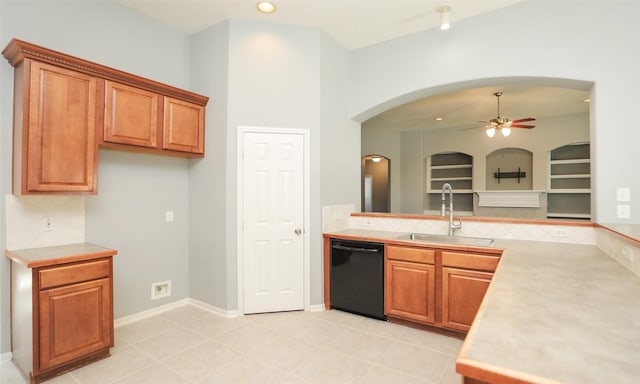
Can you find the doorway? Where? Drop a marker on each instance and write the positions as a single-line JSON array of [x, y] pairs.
[[376, 196], [273, 249]]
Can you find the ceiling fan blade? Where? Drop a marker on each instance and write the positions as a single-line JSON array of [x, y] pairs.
[[523, 120], [522, 126]]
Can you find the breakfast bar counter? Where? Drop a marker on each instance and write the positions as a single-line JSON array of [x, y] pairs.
[[555, 313]]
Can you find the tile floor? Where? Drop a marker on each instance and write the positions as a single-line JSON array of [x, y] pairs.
[[191, 345]]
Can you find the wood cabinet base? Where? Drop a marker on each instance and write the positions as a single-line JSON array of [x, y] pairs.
[[75, 364], [61, 308]]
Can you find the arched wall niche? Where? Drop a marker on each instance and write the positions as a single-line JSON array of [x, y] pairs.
[[509, 169]]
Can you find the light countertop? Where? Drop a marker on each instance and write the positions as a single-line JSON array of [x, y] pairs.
[[554, 313], [557, 313], [47, 256]]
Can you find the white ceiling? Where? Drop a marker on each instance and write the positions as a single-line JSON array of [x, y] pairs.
[[359, 23], [466, 109], [352, 23]]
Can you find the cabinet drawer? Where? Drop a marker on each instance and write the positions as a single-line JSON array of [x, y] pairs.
[[470, 261], [74, 273], [416, 255]]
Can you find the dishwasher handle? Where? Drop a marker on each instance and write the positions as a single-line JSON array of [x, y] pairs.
[[355, 249]]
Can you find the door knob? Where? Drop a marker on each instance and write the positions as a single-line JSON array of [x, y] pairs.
[[298, 231]]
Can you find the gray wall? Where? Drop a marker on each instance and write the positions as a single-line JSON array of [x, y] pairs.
[[592, 42], [134, 190], [128, 214], [208, 264], [255, 74], [265, 75]]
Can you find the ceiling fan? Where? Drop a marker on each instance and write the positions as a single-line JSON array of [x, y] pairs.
[[503, 124]]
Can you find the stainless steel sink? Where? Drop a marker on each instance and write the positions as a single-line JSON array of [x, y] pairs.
[[457, 240]]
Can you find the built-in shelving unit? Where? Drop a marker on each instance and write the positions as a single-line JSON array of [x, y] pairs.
[[455, 168], [569, 184]]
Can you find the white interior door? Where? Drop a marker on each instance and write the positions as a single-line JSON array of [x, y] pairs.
[[273, 217]]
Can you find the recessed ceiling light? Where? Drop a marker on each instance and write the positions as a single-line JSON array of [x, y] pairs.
[[266, 7], [587, 100], [439, 118]]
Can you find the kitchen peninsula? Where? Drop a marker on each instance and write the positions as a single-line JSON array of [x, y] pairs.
[[554, 313]]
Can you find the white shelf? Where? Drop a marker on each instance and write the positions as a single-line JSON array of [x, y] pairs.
[[455, 191], [572, 176], [455, 166], [510, 199], [571, 161], [577, 176], [574, 190], [568, 215], [451, 178]]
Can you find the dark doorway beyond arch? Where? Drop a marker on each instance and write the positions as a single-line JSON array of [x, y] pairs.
[[376, 185]]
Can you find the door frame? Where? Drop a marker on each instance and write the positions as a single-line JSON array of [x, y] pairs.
[[306, 247]]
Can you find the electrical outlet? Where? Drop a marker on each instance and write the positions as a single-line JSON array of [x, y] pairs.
[[628, 254], [168, 216], [160, 289], [560, 232], [47, 224]]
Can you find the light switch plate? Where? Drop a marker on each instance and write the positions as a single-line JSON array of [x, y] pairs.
[[168, 216], [623, 211], [623, 194]]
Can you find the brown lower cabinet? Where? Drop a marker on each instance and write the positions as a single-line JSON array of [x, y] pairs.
[[430, 284], [61, 308], [462, 293], [410, 282], [436, 286]]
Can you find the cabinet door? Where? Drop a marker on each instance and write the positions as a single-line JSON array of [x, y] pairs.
[[462, 293], [131, 115], [58, 139], [410, 291], [183, 128], [74, 320]]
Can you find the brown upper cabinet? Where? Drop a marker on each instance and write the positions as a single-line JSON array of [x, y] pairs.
[[54, 130], [131, 116], [183, 127], [65, 107]]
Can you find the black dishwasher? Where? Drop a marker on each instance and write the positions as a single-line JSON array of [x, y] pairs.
[[357, 277]]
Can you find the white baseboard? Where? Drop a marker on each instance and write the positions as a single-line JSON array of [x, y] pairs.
[[5, 357], [148, 313], [167, 307], [213, 309], [188, 301], [315, 308]]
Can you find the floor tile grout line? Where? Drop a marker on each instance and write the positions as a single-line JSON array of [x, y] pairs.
[[342, 324]]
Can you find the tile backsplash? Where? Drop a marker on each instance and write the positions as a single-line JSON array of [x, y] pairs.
[[494, 230], [625, 251], [336, 217], [26, 217]]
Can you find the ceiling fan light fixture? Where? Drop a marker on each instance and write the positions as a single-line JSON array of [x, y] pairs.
[[506, 131], [491, 131], [445, 22]]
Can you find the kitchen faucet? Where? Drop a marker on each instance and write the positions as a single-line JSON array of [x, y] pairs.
[[452, 225]]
